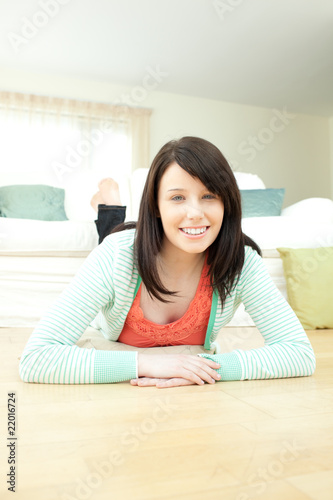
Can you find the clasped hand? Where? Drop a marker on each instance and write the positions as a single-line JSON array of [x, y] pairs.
[[172, 370]]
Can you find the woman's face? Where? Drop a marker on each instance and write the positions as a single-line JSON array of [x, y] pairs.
[[191, 215]]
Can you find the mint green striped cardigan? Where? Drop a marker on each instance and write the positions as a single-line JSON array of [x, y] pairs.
[[105, 286]]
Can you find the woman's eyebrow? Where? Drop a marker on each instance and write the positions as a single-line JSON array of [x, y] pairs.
[[176, 189]]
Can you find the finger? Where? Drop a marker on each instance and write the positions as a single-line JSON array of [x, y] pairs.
[[160, 382], [146, 381], [200, 373], [205, 363], [208, 374], [203, 368], [198, 376], [210, 362], [172, 382]]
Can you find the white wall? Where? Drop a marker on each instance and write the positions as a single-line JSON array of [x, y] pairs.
[[292, 152]]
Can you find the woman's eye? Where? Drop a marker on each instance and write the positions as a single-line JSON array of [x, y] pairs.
[[177, 198], [210, 196]]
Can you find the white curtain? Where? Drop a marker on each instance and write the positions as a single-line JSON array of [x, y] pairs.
[[64, 141]]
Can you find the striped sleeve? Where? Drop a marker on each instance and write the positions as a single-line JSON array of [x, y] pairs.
[[287, 351], [51, 356]]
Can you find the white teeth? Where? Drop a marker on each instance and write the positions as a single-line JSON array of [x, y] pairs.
[[190, 230]]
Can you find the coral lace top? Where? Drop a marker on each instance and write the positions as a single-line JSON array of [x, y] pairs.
[[190, 329]]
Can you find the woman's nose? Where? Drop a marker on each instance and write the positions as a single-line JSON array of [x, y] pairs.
[[194, 211]]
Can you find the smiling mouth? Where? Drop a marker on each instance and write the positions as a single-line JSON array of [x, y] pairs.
[[194, 230]]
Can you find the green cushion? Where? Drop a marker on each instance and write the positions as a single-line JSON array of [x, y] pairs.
[[39, 202], [262, 202], [309, 273]]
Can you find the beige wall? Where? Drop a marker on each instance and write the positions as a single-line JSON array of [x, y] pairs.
[[291, 151], [331, 150]]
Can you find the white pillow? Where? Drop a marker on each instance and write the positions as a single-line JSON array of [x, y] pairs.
[[274, 232], [320, 209], [78, 194], [138, 181], [248, 181]]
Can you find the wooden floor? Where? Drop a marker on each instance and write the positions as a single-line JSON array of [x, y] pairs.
[[246, 440]]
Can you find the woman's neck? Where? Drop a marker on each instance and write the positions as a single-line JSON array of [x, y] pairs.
[[180, 264]]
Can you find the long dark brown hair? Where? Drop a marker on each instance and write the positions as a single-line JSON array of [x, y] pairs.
[[202, 160]]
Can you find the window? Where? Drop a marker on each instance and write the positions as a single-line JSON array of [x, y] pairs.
[[58, 140]]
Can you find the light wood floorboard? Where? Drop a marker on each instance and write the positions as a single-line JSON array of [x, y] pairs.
[[264, 439]]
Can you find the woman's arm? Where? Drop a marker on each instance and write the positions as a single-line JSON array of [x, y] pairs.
[[287, 351], [51, 355]]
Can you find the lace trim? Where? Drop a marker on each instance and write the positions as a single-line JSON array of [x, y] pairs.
[[193, 322]]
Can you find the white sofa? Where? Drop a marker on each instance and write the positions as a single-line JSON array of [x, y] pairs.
[[38, 258]]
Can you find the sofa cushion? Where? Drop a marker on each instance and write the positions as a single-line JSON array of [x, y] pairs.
[[262, 202], [308, 273], [35, 201]]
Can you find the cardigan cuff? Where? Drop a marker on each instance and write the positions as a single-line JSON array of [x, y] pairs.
[[231, 368], [114, 366]]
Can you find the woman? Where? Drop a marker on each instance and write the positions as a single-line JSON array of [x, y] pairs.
[[175, 279]]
